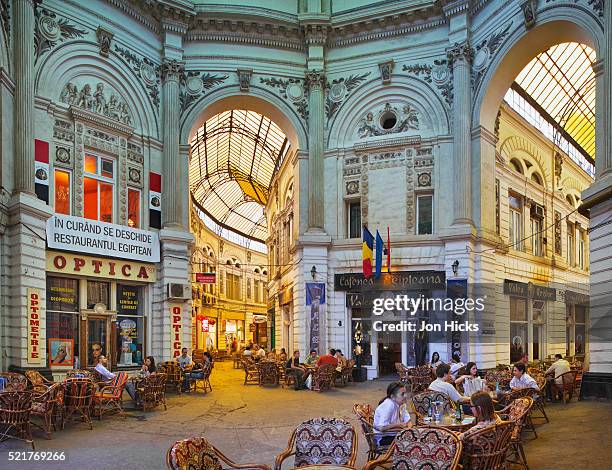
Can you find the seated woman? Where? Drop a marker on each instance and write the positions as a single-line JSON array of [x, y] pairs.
[[435, 360], [282, 356], [391, 415], [148, 367], [481, 404], [472, 383]]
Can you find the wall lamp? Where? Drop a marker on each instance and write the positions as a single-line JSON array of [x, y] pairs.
[[313, 272], [455, 267]]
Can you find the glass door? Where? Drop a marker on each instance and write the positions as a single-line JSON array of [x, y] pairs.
[[98, 339]]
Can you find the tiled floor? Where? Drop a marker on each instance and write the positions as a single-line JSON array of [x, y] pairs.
[[252, 424]]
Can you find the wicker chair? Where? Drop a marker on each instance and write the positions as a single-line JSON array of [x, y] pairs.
[[323, 377], [497, 376], [79, 373], [44, 406], [14, 382], [422, 401], [567, 387], [152, 391], [78, 397], [403, 372], [517, 412], [486, 449], [365, 415], [251, 372], [15, 408], [268, 373], [422, 447], [508, 398], [39, 383], [203, 382], [321, 441], [538, 400], [110, 396], [348, 370], [174, 373], [420, 378], [197, 453]]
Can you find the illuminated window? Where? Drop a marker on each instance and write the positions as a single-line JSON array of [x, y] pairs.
[[62, 192], [133, 208], [98, 188]]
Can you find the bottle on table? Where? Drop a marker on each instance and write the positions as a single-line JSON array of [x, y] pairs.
[[458, 410]]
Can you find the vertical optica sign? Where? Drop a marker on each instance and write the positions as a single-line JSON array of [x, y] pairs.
[[176, 329]]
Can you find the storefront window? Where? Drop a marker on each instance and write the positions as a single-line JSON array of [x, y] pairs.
[[361, 338], [130, 326], [518, 328], [62, 322], [580, 330], [98, 293]]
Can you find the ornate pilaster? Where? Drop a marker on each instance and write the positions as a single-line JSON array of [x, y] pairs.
[[605, 157], [460, 57], [24, 95], [315, 80], [172, 182]]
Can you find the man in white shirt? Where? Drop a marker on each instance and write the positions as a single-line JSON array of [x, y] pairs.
[[261, 353], [442, 384], [102, 370], [247, 351], [184, 360], [521, 378], [559, 367], [456, 364]]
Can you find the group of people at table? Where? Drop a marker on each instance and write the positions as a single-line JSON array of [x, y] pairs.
[[392, 416], [293, 366]]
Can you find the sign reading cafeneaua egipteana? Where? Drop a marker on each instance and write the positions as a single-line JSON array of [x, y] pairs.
[[70, 233]]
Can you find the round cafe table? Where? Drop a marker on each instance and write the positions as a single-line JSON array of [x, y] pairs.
[[449, 422]]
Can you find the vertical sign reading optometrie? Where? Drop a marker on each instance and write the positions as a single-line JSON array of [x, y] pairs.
[[34, 326], [176, 329]]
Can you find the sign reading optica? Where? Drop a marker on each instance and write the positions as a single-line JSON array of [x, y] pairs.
[[70, 233], [68, 263], [33, 326], [176, 327]]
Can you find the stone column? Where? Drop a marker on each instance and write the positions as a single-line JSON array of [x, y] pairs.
[[460, 56], [315, 81], [23, 51], [604, 158], [172, 178]]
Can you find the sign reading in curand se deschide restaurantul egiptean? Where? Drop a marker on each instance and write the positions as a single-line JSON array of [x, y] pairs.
[[400, 280], [70, 233]]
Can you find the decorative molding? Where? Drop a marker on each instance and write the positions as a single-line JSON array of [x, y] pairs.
[[558, 250], [146, 70], [339, 89], [134, 153], [386, 69], [424, 180], [104, 38], [460, 52], [172, 70], [195, 83], [316, 34], [315, 79], [293, 90], [497, 207], [484, 52], [62, 155], [49, 31], [5, 17], [134, 175], [101, 121], [439, 74], [402, 120], [596, 5], [530, 12], [96, 102], [244, 79], [352, 187], [387, 143], [410, 196], [63, 130]]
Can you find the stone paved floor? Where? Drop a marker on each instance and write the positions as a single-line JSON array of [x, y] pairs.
[[252, 423]]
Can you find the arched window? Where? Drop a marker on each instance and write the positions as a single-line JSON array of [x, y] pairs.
[[536, 178], [516, 165]]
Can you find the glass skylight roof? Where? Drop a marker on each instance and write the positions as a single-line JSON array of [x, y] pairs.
[[234, 157], [561, 83]]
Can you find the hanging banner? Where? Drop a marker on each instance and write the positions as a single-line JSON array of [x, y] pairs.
[[176, 329], [315, 308], [33, 326]]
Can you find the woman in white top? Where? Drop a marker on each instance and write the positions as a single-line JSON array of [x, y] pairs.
[[391, 415], [471, 382], [435, 360], [456, 364]]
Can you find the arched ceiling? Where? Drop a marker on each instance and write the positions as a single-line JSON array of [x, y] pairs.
[[234, 157], [559, 85]]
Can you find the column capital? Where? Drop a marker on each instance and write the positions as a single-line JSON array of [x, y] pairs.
[[172, 70], [315, 79], [460, 52], [598, 67]]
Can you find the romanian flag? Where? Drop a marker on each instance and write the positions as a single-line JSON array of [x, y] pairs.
[[388, 250], [367, 249], [379, 254]]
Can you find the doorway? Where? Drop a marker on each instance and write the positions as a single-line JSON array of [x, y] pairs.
[[100, 333]]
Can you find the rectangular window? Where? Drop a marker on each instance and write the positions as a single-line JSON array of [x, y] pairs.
[[580, 330], [424, 214], [233, 282], [133, 208], [62, 321], [571, 256], [537, 237], [354, 219], [518, 328], [581, 250], [516, 222], [98, 188], [130, 326], [249, 288], [63, 197], [98, 293]]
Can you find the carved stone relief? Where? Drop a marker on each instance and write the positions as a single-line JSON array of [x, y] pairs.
[[134, 153], [134, 175], [483, 54], [352, 187], [292, 90], [391, 119], [63, 130], [386, 69], [439, 74], [104, 38], [195, 83], [244, 79], [339, 89], [410, 198], [424, 180], [62, 155], [49, 31], [99, 101], [558, 233], [146, 70]]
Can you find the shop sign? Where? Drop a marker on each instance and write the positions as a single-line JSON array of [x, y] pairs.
[[206, 278], [354, 300], [33, 326], [572, 297], [65, 232], [128, 299], [285, 296], [398, 281], [529, 290], [260, 318], [69, 263], [204, 325], [176, 329]]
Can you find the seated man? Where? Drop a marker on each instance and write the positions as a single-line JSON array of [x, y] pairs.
[[328, 359], [442, 384], [521, 378], [558, 368], [312, 358], [184, 361], [102, 370], [293, 367]]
